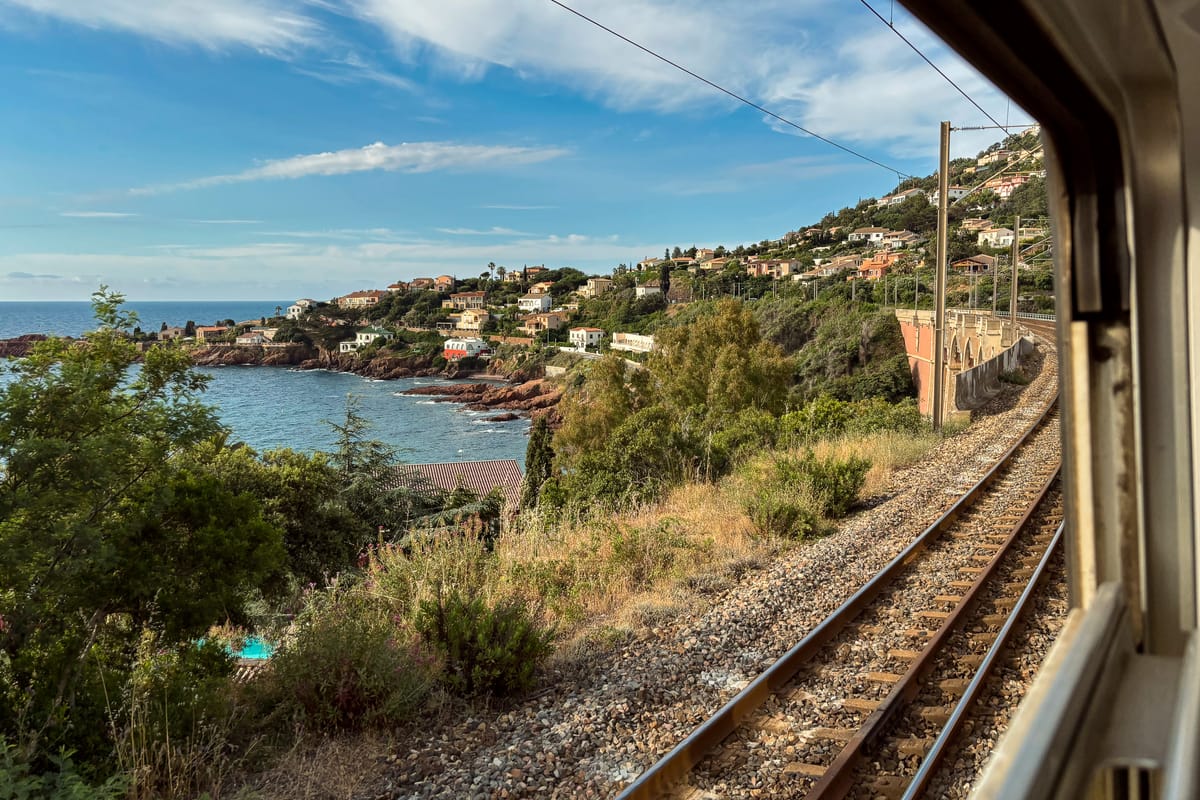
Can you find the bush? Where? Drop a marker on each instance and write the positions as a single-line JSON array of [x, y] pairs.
[[833, 483], [1014, 376], [774, 511], [488, 650], [19, 780], [876, 414], [349, 666], [822, 418]]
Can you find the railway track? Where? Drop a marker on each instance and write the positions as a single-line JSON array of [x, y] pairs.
[[866, 703]]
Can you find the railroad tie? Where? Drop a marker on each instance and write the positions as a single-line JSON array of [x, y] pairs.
[[883, 677], [833, 734], [982, 559], [860, 704], [904, 655], [918, 633], [938, 715], [962, 584], [914, 746], [889, 786], [995, 620], [930, 613], [1004, 603], [954, 687], [801, 769], [948, 598], [971, 570]]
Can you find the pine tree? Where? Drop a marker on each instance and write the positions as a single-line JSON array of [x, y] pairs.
[[664, 279]]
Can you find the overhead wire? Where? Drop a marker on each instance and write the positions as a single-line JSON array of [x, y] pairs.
[[936, 69], [734, 95]]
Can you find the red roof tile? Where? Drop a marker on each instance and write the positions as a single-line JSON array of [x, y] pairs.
[[478, 476]]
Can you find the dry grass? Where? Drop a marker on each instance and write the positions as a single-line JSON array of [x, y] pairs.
[[887, 451], [329, 768]]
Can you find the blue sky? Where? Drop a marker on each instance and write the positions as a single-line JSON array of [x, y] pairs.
[[213, 149]]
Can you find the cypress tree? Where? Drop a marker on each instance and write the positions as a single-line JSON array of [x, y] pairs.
[[539, 461]]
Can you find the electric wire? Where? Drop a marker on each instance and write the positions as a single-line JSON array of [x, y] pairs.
[[936, 69], [734, 95]]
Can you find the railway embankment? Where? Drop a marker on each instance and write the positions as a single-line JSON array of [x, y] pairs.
[[628, 695]]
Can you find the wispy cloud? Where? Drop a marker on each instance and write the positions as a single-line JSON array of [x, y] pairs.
[[265, 25], [415, 157], [508, 207], [353, 68], [742, 177], [495, 231], [225, 221], [97, 214], [30, 276]]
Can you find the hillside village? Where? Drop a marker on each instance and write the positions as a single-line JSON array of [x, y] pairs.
[[881, 246]]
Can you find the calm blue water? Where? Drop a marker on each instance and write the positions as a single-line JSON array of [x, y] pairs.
[[270, 407], [72, 318]]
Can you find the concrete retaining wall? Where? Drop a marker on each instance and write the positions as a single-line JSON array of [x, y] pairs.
[[973, 387]]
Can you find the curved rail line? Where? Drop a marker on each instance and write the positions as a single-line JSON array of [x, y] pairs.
[[835, 780]]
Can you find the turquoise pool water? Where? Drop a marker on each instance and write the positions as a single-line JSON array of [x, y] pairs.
[[255, 648]]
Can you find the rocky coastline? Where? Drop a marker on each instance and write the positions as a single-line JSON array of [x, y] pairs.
[[535, 397]]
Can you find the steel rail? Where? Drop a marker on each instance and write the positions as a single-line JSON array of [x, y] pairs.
[[676, 764], [941, 745], [839, 776]]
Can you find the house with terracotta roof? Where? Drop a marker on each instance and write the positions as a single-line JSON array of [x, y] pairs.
[[633, 342], [464, 300], [473, 319], [976, 265], [297, 309], [538, 323], [595, 287], [251, 338], [584, 338], [420, 283], [465, 347], [534, 302], [208, 332], [398, 286], [995, 237], [873, 235], [480, 477], [648, 289], [363, 299], [541, 287]]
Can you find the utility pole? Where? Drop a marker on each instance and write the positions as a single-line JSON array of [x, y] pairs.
[[1016, 253], [995, 284], [939, 283]]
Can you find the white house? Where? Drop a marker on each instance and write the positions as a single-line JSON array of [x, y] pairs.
[[996, 237], [363, 338], [647, 289], [633, 342], [534, 303], [955, 193], [584, 338], [454, 349], [252, 338], [299, 307], [873, 235]]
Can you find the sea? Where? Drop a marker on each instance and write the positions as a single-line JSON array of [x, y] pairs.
[[273, 407]]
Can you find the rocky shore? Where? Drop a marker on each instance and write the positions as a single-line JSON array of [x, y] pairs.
[[539, 397], [19, 346]]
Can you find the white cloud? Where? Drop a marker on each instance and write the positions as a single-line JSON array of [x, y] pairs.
[[494, 231], [414, 157], [266, 25], [352, 68], [225, 221], [506, 207], [97, 214]]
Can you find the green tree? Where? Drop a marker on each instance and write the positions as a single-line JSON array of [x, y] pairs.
[[539, 462], [105, 529]]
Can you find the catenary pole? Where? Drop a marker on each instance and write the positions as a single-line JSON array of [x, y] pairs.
[[939, 283], [1016, 251]]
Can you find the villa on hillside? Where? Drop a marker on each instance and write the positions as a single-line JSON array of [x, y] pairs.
[[297, 309], [873, 235], [541, 287], [595, 287], [898, 198], [538, 323], [365, 337], [207, 332], [473, 319], [649, 288], [455, 349], [976, 265], [398, 286], [955, 193], [534, 302], [420, 283], [251, 338], [996, 237], [172, 332], [584, 338], [632, 342], [362, 299], [464, 300], [444, 283]]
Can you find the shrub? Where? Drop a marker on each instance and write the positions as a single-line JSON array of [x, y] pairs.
[[833, 483], [349, 666], [1014, 376], [822, 418], [19, 780], [488, 650], [877, 414], [774, 511]]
